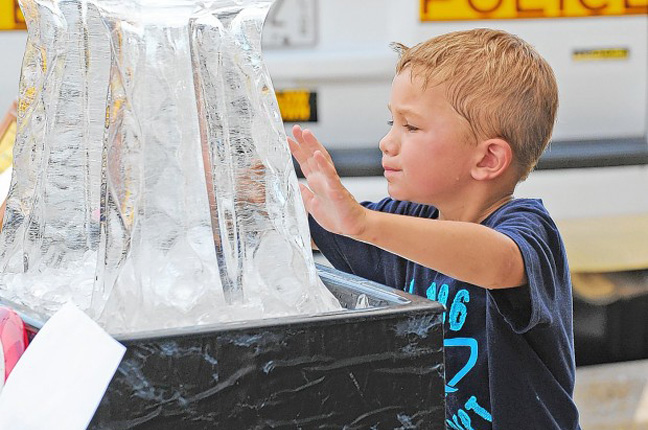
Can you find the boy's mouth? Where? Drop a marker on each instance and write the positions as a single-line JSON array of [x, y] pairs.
[[388, 168], [390, 171]]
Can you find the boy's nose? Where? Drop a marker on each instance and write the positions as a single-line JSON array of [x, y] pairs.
[[388, 146]]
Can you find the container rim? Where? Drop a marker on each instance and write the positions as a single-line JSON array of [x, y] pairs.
[[401, 302]]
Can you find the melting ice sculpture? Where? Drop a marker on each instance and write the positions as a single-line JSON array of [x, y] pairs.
[[152, 183]]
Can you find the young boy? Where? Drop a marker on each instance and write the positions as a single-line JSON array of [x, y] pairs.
[[472, 113]]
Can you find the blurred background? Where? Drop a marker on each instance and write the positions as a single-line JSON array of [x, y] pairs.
[[332, 69]]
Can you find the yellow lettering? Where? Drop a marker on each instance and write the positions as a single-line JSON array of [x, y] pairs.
[[528, 12], [485, 9], [601, 54], [449, 10], [18, 15], [634, 8], [593, 8], [294, 105]]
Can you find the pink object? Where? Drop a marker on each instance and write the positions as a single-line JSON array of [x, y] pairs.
[[13, 338]]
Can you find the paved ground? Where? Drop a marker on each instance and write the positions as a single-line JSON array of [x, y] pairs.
[[613, 396]]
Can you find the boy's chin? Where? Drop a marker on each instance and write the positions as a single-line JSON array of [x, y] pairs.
[[396, 194], [401, 196], [391, 193]]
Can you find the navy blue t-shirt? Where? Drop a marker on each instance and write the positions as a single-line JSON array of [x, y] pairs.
[[509, 353]]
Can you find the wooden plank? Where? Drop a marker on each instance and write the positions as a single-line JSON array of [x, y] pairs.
[[606, 244]]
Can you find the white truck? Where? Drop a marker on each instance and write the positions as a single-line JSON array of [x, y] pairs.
[[335, 54], [332, 67]]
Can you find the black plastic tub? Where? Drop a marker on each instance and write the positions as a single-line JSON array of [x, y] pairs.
[[380, 367], [610, 318]]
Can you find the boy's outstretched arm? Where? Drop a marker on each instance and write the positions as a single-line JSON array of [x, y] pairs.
[[465, 251]]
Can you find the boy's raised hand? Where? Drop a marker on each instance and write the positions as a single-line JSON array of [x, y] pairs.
[[325, 198]]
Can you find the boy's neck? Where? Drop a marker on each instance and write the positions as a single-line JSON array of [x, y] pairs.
[[474, 209]]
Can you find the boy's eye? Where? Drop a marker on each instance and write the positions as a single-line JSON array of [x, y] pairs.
[[390, 123], [410, 127]]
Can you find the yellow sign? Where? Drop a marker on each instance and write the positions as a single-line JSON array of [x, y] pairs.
[[456, 10], [297, 105], [601, 54], [11, 17]]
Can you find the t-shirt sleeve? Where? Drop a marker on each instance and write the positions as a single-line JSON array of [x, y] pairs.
[[358, 258], [532, 229], [346, 254]]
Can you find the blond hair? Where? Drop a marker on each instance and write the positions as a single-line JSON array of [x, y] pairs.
[[497, 82]]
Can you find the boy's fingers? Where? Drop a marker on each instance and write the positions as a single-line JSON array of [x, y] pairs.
[[308, 141], [306, 149], [307, 196], [298, 141], [324, 180], [296, 151], [299, 155], [298, 134], [311, 144], [325, 165]]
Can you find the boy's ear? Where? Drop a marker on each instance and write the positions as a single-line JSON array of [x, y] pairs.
[[494, 156]]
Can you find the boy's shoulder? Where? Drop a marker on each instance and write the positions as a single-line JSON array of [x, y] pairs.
[[524, 205], [529, 224], [520, 209]]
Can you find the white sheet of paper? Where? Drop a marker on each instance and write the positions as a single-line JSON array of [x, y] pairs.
[[62, 376]]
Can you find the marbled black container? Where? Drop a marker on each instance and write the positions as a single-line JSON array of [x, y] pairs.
[[375, 368]]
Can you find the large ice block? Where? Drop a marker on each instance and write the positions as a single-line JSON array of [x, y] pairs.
[[152, 185]]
